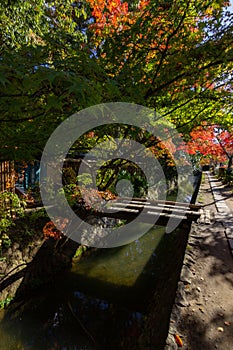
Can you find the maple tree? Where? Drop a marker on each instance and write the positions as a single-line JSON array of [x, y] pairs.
[[213, 143], [50, 230], [172, 56], [63, 56], [46, 74]]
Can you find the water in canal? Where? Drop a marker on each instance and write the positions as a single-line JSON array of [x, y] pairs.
[[99, 304]]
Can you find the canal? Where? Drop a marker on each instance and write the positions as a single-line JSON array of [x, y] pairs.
[[117, 298]]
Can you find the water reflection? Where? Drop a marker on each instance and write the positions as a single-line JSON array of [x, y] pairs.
[[101, 301], [121, 266]]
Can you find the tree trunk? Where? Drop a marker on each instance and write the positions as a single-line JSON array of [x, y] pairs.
[[230, 161]]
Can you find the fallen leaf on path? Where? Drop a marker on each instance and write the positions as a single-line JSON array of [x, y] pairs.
[[178, 340], [220, 329]]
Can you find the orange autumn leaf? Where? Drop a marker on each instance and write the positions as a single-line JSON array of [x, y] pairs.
[[178, 340], [50, 230]]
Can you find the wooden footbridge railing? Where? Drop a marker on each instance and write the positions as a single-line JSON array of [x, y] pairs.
[[150, 210]]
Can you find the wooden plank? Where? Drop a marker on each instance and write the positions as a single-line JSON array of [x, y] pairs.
[[154, 212], [167, 209], [150, 202], [177, 204], [116, 209], [190, 216], [141, 206]]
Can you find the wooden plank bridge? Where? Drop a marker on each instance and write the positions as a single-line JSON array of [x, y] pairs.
[[150, 211]]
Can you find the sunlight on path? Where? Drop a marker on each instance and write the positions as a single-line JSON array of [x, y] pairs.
[[225, 215]]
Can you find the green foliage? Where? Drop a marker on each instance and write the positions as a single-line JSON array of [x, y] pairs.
[[36, 96], [10, 207], [71, 192], [136, 178], [5, 302], [34, 193], [84, 179], [5, 241], [46, 72], [80, 251], [68, 175], [36, 215], [27, 224], [226, 176], [24, 230], [174, 57]]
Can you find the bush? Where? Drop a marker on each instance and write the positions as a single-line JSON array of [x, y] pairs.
[[10, 207], [226, 175]]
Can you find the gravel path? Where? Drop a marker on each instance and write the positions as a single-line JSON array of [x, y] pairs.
[[203, 312]]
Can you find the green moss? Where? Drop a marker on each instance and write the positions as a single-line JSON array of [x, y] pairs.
[[5, 302], [79, 252]]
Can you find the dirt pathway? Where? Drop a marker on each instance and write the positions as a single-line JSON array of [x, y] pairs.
[[203, 314]]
